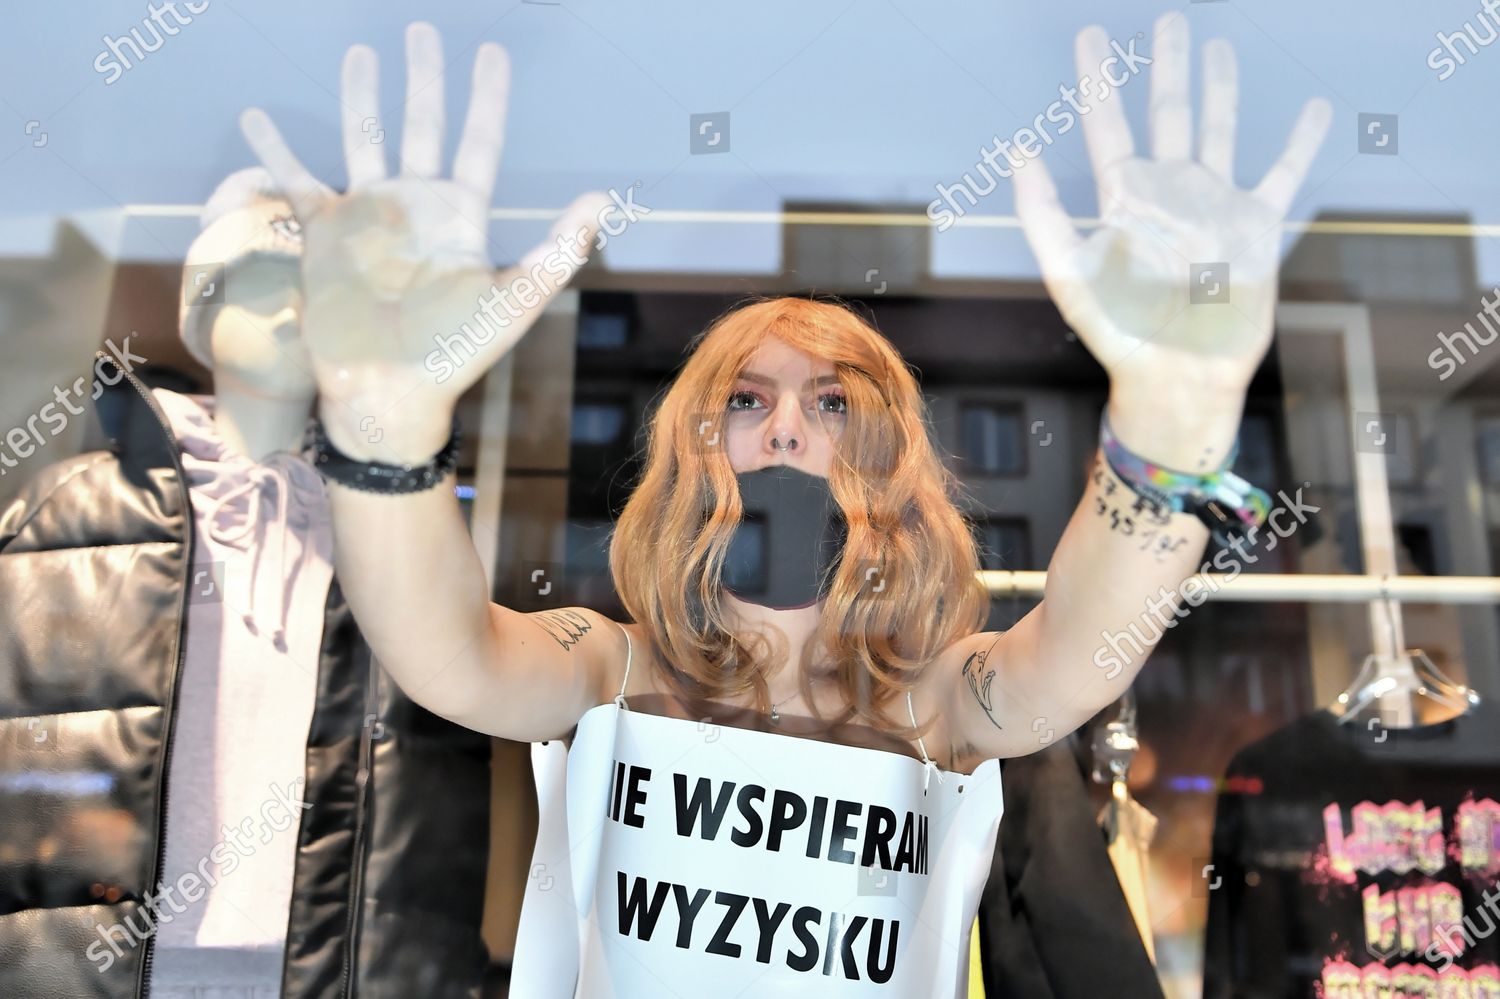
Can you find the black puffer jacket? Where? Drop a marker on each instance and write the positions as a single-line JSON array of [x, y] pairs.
[[390, 868]]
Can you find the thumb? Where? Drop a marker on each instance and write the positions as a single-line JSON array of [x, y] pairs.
[[572, 235]]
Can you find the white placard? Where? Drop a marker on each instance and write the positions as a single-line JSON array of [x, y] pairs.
[[694, 859]]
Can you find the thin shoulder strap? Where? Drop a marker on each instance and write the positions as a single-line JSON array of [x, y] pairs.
[[629, 654], [929, 766]]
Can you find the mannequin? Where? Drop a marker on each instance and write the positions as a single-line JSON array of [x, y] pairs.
[[249, 678], [261, 378], [251, 340], [284, 732]]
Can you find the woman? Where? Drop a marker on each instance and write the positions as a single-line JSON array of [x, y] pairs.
[[801, 408]]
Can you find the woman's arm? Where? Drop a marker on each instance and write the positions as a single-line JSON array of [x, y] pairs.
[[1180, 348]]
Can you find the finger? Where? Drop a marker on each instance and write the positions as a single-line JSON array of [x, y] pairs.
[[478, 157], [304, 192], [1048, 228], [530, 284], [1221, 99], [1105, 130], [1057, 245], [422, 133], [574, 232], [1279, 186], [1171, 115], [364, 138]]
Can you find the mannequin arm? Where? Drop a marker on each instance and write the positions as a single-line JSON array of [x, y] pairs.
[[1174, 294], [397, 260]]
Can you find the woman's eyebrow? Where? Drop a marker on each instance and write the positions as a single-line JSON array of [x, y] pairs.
[[759, 379]]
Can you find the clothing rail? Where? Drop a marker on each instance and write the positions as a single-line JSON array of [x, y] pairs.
[[1293, 586]]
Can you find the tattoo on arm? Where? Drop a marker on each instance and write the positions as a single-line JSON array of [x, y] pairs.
[[981, 682], [1133, 515], [566, 627]]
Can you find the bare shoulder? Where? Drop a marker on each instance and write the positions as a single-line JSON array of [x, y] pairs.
[[636, 652], [592, 641]]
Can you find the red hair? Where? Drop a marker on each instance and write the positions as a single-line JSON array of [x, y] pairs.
[[668, 546]]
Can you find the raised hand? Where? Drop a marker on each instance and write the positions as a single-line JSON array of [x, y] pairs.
[[399, 261], [1125, 290]]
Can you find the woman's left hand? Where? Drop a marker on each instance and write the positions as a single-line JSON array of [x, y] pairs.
[[1174, 293]]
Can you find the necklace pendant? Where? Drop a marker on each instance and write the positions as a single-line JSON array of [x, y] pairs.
[[775, 716]]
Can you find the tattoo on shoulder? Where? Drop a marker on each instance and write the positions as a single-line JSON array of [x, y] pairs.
[[981, 682], [565, 626]]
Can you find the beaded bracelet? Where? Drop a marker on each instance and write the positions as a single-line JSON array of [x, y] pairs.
[[1228, 504], [378, 477]]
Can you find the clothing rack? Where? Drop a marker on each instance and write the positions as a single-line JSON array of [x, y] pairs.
[[1380, 585], [1293, 586]]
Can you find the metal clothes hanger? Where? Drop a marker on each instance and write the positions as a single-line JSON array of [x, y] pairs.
[[1114, 747], [1393, 680]]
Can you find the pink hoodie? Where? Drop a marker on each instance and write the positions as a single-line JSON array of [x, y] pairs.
[[263, 548]]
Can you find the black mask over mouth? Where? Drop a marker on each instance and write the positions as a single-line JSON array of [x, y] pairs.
[[789, 540]]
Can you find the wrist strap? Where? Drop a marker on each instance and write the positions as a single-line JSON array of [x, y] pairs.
[[377, 477], [1228, 504]]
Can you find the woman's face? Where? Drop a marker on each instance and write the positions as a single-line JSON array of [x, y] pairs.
[[792, 398]]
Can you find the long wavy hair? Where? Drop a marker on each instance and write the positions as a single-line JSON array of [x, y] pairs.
[[668, 546]]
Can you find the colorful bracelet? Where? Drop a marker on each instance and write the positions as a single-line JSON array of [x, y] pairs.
[[1228, 504]]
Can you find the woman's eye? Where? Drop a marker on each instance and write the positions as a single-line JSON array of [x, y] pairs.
[[836, 403]]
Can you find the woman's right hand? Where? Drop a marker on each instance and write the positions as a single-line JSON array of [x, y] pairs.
[[397, 268]]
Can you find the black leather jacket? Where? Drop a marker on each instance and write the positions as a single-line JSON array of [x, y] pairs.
[[390, 868]]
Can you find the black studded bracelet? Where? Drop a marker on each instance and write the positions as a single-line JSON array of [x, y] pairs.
[[376, 477]]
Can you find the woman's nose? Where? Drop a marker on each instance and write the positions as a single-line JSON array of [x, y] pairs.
[[786, 431]]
